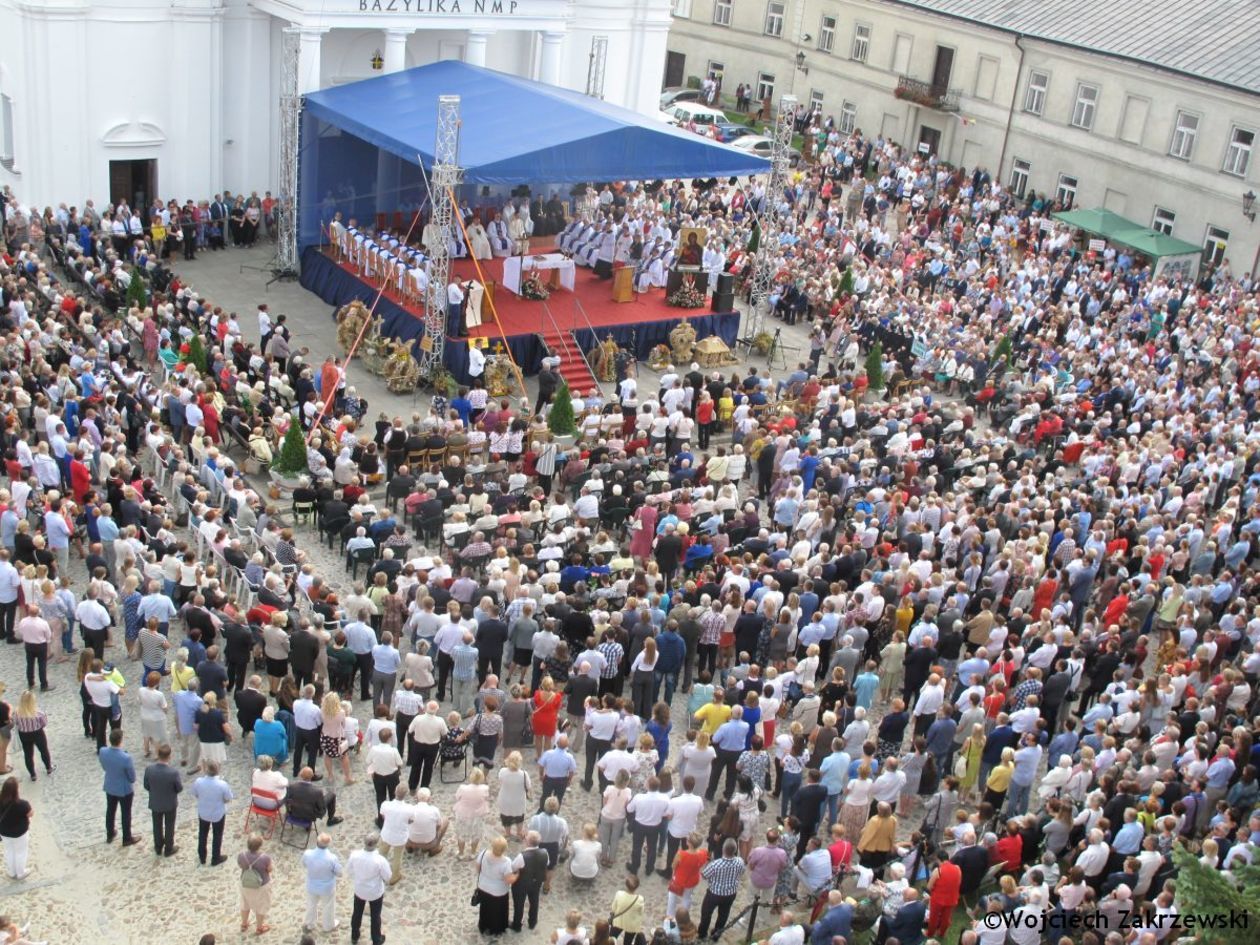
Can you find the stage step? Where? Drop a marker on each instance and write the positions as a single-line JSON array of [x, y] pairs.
[[572, 365]]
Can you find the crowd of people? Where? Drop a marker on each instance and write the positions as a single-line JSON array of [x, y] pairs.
[[976, 630]]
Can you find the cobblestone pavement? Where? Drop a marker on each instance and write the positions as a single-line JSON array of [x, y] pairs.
[[86, 891]]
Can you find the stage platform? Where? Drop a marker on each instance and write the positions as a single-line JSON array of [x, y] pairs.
[[638, 326]]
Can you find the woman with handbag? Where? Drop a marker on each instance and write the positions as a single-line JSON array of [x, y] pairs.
[[494, 879], [626, 916]]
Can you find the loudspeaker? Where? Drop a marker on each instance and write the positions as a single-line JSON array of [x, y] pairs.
[[724, 301], [725, 282]]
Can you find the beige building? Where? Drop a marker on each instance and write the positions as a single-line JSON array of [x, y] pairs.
[[1150, 109]]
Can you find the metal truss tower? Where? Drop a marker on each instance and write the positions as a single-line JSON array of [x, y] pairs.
[[442, 183], [286, 262], [595, 70], [769, 221]]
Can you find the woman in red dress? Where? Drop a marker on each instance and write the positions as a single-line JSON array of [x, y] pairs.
[[546, 711]]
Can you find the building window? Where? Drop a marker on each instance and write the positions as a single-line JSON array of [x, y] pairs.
[[682, 8], [1019, 177], [815, 100], [848, 118], [715, 69], [1184, 134], [827, 33], [1035, 94], [1085, 107], [7, 159], [1214, 245], [1163, 221], [1066, 192], [774, 18], [765, 86], [1238, 154], [722, 12], [861, 42]]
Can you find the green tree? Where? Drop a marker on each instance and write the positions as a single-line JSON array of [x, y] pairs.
[[875, 367], [1205, 892], [846, 282], [197, 355], [1003, 350], [560, 418], [754, 238], [292, 458], [137, 290]]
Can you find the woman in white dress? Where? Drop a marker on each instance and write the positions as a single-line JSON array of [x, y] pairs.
[[697, 761], [479, 241], [585, 858], [514, 791]]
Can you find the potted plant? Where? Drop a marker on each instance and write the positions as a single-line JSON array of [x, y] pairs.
[[290, 463], [875, 368], [137, 290], [761, 343], [196, 355], [560, 419]]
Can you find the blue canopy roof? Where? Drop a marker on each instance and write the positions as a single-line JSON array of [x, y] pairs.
[[517, 131]]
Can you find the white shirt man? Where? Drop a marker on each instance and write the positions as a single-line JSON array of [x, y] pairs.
[[616, 761], [427, 825], [368, 872], [684, 814]]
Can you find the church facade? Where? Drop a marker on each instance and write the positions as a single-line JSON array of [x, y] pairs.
[[106, 99]]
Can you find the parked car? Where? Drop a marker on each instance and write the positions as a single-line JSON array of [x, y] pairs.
[[676, 96], [687, 113], [728, 131], [762, 146]]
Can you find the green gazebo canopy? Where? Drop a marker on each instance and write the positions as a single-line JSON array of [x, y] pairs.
[[1124, 232]]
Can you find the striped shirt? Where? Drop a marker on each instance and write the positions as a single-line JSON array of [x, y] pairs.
[[612, 653], [724, 875], [712, 626], [30, 723]]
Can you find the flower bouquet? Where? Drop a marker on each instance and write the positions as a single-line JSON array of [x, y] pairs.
[[532, 287], [687, 295]]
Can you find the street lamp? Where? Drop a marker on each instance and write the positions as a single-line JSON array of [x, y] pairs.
[[378, 63], [1249, 206]]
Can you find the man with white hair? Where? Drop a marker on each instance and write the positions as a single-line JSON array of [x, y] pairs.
[[428, 826], [322, 869]]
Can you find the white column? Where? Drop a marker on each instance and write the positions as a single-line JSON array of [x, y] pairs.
[[475, 47], [395, 52], [309, 74], [549, 65]]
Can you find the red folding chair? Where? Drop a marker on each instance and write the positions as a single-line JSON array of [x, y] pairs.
[[266, 806]]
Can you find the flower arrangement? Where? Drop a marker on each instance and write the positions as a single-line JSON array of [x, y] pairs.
[[532, 287], [687, 295]]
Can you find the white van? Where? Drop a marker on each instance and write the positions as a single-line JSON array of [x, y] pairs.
[[686, 112]]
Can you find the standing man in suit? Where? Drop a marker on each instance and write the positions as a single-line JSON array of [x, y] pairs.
[[164, 785], [120, 787]]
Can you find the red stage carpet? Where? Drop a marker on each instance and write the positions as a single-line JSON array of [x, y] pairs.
[[520, 316]]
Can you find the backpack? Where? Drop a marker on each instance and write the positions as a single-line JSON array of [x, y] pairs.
[[250, 877]]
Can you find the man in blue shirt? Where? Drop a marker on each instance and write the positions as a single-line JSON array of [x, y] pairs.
[[1027, 760], [212, 794], [360, 639], [728, 741], [671, 653], [464, 674], [322, 869], [558, 768], [835, 774], [837, 920], [120, 787]]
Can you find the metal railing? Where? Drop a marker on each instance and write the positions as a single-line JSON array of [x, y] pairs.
[[586, 324], [925, 93]]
